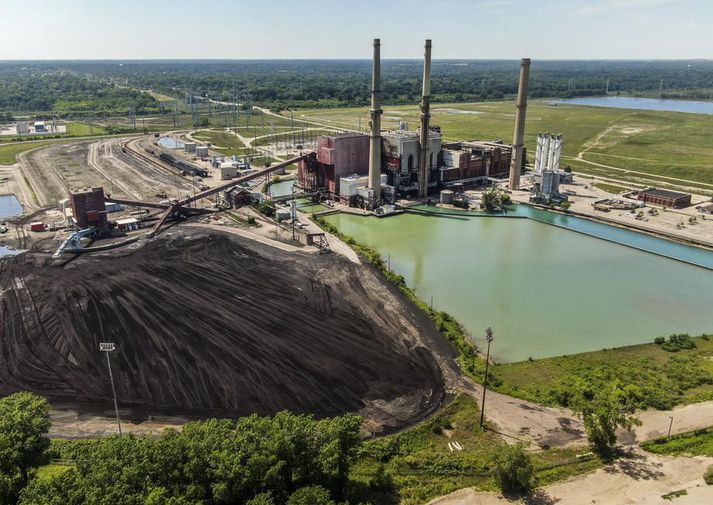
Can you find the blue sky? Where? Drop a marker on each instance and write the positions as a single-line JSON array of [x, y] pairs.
[[254, 29]]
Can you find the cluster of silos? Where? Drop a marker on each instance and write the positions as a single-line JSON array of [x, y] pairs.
[[549, 152]]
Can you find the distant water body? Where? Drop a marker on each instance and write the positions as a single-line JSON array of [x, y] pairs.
[[622, 102]]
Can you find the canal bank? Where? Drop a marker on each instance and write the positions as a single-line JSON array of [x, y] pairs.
[[546, 291]]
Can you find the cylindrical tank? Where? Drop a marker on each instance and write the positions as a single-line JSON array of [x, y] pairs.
[[202, 151], [190, 147], [447, 196]]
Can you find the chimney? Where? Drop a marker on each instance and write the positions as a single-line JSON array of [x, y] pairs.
[[423, 158], [518, 137], [375, 124]]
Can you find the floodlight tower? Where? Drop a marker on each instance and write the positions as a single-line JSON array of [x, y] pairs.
[[106, 348]]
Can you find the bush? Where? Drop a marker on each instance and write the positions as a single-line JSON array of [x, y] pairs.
[[676, 342], [513, 472], [708, 476], [310, 495]]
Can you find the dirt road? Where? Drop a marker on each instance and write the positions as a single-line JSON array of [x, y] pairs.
[[641, 479]]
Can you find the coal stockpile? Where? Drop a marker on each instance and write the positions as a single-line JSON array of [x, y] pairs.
[[215, 325]]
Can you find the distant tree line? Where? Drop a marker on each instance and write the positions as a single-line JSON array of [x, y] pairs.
[[282, 84], [64, 94]]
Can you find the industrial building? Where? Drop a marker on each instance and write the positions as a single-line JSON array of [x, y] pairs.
[[32, 128], [228, 170], [474, 162], [401, 158], [88, 208], [336, 156], [665, 198]]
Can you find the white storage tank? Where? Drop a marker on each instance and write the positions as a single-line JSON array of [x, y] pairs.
[[190, 147], [202, 151], [447, 196]]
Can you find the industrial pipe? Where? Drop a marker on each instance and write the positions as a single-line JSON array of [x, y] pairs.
[[519, 135]]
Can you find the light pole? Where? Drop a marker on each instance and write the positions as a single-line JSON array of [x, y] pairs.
[[488, 338], [106, 348]]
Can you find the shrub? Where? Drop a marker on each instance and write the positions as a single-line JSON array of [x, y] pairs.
[[310, 495], [513, 471], [708, 476]]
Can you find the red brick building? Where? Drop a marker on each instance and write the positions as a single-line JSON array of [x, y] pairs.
[[88, 208], [665, 197], [469, 162], [336, 156]]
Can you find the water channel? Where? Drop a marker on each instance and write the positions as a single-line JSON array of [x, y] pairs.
[[548, 284]]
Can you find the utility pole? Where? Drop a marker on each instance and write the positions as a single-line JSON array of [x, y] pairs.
[[106, 348], [293, 211], [488, 338]]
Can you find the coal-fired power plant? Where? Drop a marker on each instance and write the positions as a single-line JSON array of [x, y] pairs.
[[423, 165], [519, 136], [375, 123]]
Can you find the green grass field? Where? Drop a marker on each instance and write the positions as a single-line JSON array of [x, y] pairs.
[[423, 467], [609, 188], [694, 443], [9, 152], [657, 378], [668, 144]]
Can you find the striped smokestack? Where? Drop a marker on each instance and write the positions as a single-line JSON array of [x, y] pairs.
[[423, 158], [375, 125], [519, 136]]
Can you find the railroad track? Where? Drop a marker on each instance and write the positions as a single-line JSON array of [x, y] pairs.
[[130, 148]]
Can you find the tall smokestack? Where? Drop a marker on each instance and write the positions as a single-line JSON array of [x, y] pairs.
[[519, 136], [375, 123], [424, 165]]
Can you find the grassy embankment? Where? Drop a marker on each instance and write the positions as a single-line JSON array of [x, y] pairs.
[[653, 376], [693, 443], [657, 143]]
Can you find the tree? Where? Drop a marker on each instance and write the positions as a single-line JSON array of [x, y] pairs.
[[262, 499], [256, 460], [513, 470], [310, 495], [491, 199], [24, 423], [603, 414]]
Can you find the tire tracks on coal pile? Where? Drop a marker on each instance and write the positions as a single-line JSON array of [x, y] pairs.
[[215, 325]]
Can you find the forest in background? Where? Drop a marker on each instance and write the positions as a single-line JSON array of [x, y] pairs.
[[66, 88]]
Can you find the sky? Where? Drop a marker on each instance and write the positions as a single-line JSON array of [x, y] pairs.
[[336, 29]]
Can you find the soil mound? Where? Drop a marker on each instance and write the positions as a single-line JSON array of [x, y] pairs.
[[211, 325]]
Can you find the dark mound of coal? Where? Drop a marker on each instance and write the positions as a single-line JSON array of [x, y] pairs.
[[214, 325]]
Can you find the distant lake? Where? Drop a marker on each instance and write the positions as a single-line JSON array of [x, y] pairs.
[[623, 102]]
